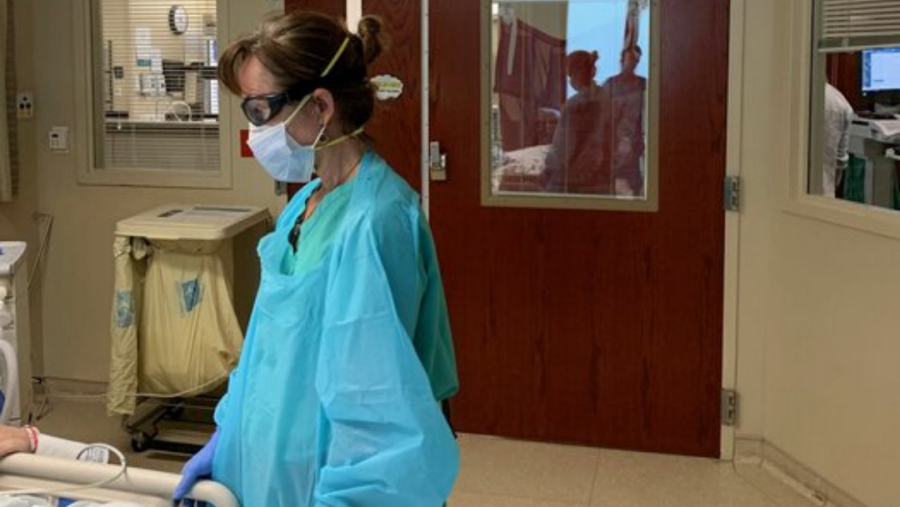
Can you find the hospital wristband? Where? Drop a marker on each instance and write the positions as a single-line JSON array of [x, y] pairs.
[[32, 438]]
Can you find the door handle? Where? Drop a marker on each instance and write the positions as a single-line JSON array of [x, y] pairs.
[[437, 162]]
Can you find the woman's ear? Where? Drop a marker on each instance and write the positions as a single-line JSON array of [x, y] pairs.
[[323, 101]]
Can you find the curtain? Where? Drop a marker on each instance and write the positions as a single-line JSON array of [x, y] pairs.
[[530, 76]]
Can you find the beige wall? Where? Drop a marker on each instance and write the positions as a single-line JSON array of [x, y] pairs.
[[77, 282], [818, 320], [763, 162]]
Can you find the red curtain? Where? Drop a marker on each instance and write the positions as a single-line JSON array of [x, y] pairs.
[[530, 76]]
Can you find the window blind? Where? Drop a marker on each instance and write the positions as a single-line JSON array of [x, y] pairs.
[[156, 97], [851, 25]]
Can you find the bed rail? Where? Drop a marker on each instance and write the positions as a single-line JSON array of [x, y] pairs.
[[135, 480]]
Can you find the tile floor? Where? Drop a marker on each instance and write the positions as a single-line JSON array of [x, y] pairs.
[[505, 473]]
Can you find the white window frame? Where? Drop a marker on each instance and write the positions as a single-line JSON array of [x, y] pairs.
[[797, 200], [83, 134]]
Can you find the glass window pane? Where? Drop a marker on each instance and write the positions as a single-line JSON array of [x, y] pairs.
[[156, 95], [857, 111], [569, 98]]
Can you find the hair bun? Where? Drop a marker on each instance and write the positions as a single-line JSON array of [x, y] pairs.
[[375, 41]]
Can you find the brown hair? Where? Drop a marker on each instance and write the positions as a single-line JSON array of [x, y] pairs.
[[581, 61], [296, 48]]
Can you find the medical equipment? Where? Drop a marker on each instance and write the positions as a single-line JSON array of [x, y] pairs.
[[881, 70], [870, 140], [135, 486], [178, 311], [15, 371]]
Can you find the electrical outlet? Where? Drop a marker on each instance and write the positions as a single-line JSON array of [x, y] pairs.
[[59, 139], [24, 105]]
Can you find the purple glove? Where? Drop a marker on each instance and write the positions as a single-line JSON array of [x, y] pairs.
[[198, 467]]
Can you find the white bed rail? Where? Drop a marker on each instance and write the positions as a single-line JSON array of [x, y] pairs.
[[135, 480]]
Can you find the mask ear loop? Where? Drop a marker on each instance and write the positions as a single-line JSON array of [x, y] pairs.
[[341, 139], [336, 57], [293, 115], [322, 137]]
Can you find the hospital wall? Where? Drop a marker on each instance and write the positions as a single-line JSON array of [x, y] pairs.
[[818, 323], [76, 281]]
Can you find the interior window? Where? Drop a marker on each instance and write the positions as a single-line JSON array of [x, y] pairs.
[[156, 98], [855, 128]]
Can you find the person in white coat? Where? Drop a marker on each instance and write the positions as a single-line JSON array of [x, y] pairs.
[[836, 142]]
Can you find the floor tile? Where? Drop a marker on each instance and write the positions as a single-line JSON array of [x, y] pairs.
[[481, 500], [499, 472], [626, 479], [503, 467]]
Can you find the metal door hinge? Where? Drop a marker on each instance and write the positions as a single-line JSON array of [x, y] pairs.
[[732, 193], [729, 406]]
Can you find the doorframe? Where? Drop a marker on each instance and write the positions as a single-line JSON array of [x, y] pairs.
[[732, 168], [425, 191], [733, 155]]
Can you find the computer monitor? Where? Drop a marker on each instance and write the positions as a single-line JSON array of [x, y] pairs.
[[881, 70]]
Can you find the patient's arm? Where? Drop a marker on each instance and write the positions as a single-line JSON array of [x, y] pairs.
[[28, 439], [13, 439]]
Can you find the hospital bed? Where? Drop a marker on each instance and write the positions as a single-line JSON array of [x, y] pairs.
[[143, 487]]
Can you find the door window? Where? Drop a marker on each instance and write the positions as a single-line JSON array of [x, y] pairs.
[[571, 104]]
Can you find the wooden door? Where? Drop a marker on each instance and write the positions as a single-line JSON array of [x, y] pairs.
[[336, 8], [591, 327]]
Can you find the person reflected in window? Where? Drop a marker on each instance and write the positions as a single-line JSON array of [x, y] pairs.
[[836, 156], [577, 161], [626, 91]]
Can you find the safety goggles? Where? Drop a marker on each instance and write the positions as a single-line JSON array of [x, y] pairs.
[[260, 109]]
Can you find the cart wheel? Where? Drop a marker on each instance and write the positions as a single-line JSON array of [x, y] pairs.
[[139, 441]]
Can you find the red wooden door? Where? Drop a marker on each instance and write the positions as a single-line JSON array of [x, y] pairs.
[[336, 8], [592, 327], [600, 328]]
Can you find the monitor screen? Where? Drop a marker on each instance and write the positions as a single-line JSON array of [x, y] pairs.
[[881, 70]]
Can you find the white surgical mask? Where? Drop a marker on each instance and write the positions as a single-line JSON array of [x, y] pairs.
[[280, 154]]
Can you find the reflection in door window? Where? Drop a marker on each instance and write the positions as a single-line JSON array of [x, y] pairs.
[[569, 97]]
